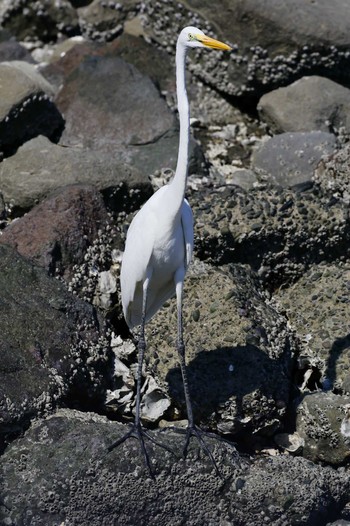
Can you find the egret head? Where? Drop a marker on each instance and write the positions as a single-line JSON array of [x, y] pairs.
[[194, 37]]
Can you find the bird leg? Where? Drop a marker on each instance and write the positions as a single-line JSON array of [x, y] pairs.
[[136, 430], [192, 430]]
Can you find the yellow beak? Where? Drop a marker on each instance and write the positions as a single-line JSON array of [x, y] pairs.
[[212, 43]]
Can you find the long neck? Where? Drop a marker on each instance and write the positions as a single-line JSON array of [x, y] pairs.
[[179, 182]]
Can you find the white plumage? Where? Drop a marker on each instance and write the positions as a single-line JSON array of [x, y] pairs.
[[159, 248]]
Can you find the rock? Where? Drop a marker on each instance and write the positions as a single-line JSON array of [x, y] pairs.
[[291, 442], [318, 309], [13, 50], [311, 103], [40, 167], [123, 124], [323, 421], [243, 178], [277, 42], [340, 522], [56, 233], [333, 175], [60, 471], [126, 118], [40, 20], [149, 60], [104, 20], [236, 375], [26, 109], [279, 232], [2, 212], [289, 159], [52, 345]]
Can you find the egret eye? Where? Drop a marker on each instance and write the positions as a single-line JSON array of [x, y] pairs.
[[191, 37]]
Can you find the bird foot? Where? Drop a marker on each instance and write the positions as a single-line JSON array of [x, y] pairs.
[[194, 431], [138, 432]]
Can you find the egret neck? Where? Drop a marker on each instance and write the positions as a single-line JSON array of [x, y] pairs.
[[178, 184]]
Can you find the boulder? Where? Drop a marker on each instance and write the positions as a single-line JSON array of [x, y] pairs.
[[60, 472], [311, 103], [56, 233], [289, 159], [105, 20], [40, 20], [52, 345], [40, 167], [323, 421], [319, 309], [332, 175], [277, 41], [238, 350], [26, 108], [279, 232]]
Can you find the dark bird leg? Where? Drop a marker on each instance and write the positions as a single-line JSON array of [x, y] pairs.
[[192, 429], [137, 431]]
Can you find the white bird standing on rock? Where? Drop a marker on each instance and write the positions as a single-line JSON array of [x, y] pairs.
[[159, 247]]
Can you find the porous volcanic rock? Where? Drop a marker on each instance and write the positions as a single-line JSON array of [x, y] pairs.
[[60, 471], [279, 232], [318, 307], [239, 351], [323, 421], [333, 175]]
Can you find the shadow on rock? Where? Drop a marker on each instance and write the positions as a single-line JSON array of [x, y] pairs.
[[338, 347], [228, 380]]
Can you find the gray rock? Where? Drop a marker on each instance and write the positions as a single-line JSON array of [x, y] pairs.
[[238, 350], [340, 522], [51, 344], [26, 109], [128, 114], [289, 159], [60, 471], [243, 178], [39, 167], [311, 103], [40, 20], [56, 233], [134, 124], [318, 309], [323, 421], [13, 50], [148, 59]]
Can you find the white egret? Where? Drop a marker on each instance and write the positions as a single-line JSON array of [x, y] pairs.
[[159, 247]]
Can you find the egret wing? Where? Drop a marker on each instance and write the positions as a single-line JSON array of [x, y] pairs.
[[137, 254], [187, 226]]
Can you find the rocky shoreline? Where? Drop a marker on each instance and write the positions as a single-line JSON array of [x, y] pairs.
[[88, 130]]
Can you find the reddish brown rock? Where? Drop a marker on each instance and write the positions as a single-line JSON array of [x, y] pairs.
[[56, 233]]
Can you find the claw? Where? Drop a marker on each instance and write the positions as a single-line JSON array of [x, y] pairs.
[[136, 431], [194, 431]]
